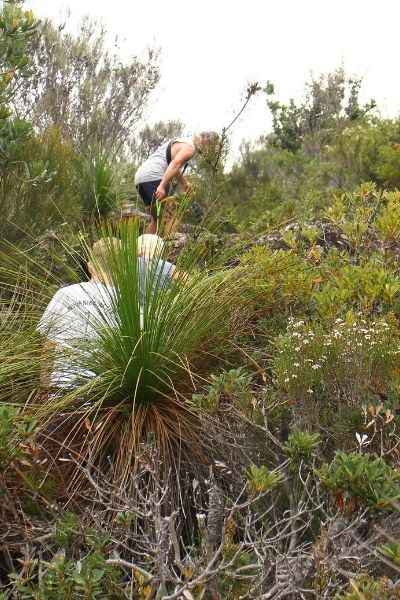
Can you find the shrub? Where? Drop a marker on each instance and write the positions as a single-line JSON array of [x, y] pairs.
[[144, 361], [37, 193], [366, 588], [90, 578], [15, 435], [357, 479], [392, 551], [95, 183], [317, 370], [261, 479], [282, 282], [232, 385], [300, 445], [387, 222], [370, 286]]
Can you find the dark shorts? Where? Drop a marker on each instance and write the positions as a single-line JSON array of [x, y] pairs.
[[147, 190]]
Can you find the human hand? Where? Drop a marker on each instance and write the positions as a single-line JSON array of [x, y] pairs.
[[160, 192]]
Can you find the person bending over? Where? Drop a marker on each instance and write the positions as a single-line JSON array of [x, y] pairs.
[[74, 314], [153, 179], [72, 317]]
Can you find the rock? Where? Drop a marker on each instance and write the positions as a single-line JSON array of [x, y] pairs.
[[177, 241], [128, 210]]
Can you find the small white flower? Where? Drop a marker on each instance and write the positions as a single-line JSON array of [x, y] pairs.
[[296, 364], [298, 324], [294, 376], [362, 439], [316, 367], [310, 391], [297, 349]]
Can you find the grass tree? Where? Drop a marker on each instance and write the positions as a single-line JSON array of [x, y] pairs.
[[151, 349]]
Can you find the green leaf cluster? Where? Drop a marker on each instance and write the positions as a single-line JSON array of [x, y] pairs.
[[370, 481], [261, 479], [16, 27], [89, 578], [367, 588], [15, 431], [232, 386], [300, 444]]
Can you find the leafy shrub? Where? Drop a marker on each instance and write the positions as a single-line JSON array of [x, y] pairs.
[[261, 479], [90, 578], [388, 221], [392, 551], [17, 27], [366, 588], [15, 434], [371, 286], [232, 385], [301, 444], [38, 194], [357, 477], [282, 281], [67, 530], [315, 370]]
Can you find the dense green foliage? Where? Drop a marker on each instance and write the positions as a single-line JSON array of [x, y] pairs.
[[328, 144], [239, 434]]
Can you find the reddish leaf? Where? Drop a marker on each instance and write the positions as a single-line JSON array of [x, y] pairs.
[[339, 501]]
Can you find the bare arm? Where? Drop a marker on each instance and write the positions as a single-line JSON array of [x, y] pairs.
[[184, 154]]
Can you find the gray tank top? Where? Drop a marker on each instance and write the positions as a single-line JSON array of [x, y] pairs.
[[155, 166]]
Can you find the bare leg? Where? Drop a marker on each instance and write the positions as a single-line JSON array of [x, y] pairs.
[[172, 223], [152, 226]]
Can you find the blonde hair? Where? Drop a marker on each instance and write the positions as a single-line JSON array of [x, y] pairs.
[[149, 245], [101, 249], [207, 138]]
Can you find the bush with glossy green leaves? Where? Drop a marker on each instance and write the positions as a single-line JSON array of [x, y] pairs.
[[301, 445], [371, 286], [370, 481], [261, 479]]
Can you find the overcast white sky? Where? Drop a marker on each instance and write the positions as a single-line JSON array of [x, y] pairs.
[[210, 50]]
